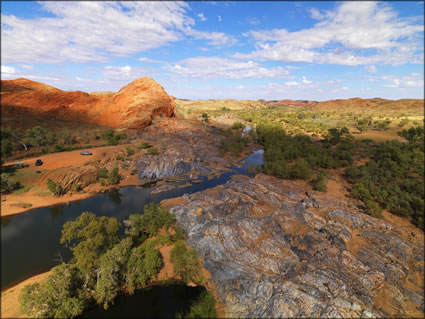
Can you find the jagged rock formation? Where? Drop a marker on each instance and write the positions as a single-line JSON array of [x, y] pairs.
[[134, 106], [273, 251], [167, 165], [185, 148]]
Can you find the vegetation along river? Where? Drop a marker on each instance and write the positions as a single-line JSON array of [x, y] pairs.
[[30, 241]]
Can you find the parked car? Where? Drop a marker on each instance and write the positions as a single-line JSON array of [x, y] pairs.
[[38, 162], [21, 164], [86, 153]]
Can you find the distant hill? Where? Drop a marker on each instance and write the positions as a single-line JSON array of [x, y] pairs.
[[134, 106], [353, 103], [375, 103]]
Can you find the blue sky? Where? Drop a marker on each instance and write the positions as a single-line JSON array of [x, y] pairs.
[[224, 49]]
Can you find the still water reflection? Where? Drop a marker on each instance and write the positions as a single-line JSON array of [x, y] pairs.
[[30, 241]]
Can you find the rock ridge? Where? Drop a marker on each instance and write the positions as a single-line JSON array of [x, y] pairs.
[[274, 252]]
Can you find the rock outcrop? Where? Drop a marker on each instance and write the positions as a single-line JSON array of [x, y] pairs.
[[185, 149], [134, 106], [273, 251]]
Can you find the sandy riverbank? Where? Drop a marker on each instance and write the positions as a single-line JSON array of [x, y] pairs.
[[16, 204], [10, 297], [38, 195]]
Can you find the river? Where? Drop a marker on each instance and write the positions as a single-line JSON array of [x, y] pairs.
[[30, 241]]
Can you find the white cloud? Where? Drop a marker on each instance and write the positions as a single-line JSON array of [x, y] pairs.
[[202, 17], [344, 88], [26, 66], [104, 28], [219, 18], [144, 59], [292, 83], [371, 68], [413, 80], [94, 31], [254, 21], [213, 38], [8, 69], [316, 14], [344, 34], [215, 67], [125, 74], [305, 81]]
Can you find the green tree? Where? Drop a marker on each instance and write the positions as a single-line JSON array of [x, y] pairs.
[[114, 176], [413, 135], [111, 138], [205, 117], [185, 263], [153, 218], [301, 170], [89, 237], [110, 272], [6, 148], [38, 136], [319, 183], [67, 137], [8, 184], [55, 187], [59, 296], [152, 262], [403, 122], [203, 308], [363, 124], [102, 173]]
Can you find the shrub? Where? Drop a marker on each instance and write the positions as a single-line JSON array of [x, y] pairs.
[[253, 169], [234, 144], [111, 138], [102, 173], [153, 151], [130, 151], [237, 126], [301, 170], [204, 307], [393, 179], [205, 117], [163, 240], [8, 184], [145, 145], [319, 183], [76, 187], [403, 122], [114, 176], [55, 188], [179, 234]]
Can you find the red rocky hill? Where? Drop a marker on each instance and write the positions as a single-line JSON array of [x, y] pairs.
[[134, 106]]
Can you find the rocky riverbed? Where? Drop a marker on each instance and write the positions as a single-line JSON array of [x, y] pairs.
[[186, 150], [275, 251]]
